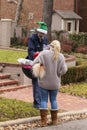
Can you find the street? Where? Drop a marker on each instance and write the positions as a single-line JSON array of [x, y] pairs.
[[71, 125]]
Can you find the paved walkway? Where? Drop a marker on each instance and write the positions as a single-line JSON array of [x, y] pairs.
[[66, 102]]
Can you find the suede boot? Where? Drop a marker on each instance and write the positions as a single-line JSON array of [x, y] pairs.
[[43, 114], [54, 117]]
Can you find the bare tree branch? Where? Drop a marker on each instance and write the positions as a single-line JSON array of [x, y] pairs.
[[18, 11], [12, 1]]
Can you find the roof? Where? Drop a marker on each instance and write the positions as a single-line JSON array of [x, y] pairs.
[[67, 14]]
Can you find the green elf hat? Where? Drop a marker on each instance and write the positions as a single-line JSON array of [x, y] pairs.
[[42, 27]]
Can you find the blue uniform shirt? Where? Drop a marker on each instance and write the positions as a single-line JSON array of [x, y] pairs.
[[34, 45]]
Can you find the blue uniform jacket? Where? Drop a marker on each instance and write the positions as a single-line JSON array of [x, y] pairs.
[[34, 45]]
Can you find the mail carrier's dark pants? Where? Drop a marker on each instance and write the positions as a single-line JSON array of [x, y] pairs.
[[36, 93], [36, 88]]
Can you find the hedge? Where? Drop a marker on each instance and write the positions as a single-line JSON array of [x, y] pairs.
[[75, 74]]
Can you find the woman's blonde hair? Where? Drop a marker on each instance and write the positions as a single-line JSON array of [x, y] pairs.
[[56, 48]]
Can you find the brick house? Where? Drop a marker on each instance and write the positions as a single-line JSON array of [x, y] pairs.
[[32, 11]]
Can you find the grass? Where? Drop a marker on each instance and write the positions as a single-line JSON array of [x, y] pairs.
[[80, 58], [11, 56], [77, 89], [12, 109]]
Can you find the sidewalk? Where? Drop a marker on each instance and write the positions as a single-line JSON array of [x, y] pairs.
[[66, 102]]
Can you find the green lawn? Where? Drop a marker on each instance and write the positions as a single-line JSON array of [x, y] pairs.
[[11, 56], [9, 108], [14, 109], [78, 89]]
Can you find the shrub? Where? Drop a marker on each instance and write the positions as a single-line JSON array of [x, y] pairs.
[[80, 38], [66, 47], [16, 41], [72, 41], [75, 74]]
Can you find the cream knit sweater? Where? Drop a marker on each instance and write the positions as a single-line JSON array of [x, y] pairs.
[[53, 69]]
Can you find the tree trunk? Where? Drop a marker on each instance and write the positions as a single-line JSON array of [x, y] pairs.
[[18, 11], [47, 15]]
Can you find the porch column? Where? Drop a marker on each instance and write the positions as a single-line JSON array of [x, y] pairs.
[[77, 26], [5, 32], [62, 24]]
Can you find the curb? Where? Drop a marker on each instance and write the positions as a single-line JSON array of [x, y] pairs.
[[65, 115], [13, 88]]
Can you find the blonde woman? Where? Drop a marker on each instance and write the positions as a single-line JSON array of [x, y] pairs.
[[55, 66]]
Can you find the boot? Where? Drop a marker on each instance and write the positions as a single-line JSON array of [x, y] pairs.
[[43, 114], [54, 117]]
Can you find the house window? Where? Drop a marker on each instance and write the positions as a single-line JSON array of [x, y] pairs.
[[69, 26]]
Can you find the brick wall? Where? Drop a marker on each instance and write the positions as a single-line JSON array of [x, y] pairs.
[[64, 4], [33, 6], [7, 10]]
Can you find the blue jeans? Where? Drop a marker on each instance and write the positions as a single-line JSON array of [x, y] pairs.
[[52, 94], [36, 93]]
